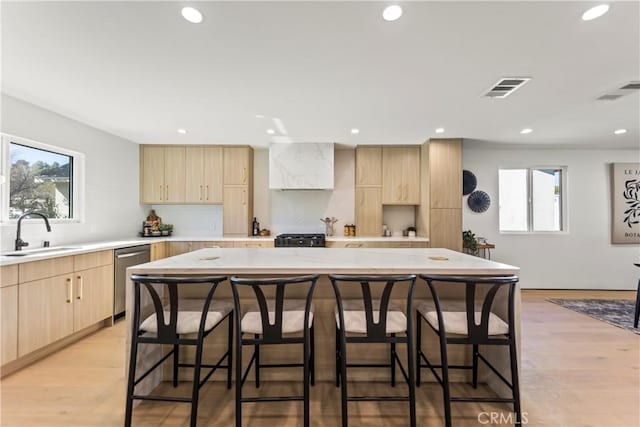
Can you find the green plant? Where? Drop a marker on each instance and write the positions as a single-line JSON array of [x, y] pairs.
[[469, 242], [165, 227]]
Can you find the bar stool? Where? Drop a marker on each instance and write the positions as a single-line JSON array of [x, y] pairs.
[[636, 316], [472, 328], [373, 321], [168, 324], [268, 323]]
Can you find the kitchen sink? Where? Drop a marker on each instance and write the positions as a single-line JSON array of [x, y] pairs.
[[42, 251]]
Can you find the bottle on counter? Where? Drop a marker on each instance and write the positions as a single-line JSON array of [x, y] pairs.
[[255, 228]]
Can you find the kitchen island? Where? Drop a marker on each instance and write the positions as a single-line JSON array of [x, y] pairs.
[[263, 262]]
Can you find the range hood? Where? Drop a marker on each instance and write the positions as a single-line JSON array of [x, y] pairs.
[[301, 166]]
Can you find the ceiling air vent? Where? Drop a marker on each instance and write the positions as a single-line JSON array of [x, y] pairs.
[[506, 86]]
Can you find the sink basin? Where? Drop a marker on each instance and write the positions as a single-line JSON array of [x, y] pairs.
[[41, 251]]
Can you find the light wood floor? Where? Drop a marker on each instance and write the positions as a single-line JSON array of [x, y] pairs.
[[576, 371]]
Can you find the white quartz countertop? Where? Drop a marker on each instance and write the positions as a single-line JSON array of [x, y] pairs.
[[263, 261]]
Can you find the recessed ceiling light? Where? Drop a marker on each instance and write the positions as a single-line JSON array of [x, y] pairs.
[[440, 130], [620, 131], [595, 12], [271, 131], [182, 131], [392, 13], [192, 15], [526, 131], [355, 131]]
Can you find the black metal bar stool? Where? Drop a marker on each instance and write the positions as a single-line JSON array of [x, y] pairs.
[[473, 328], [636, 316], [168, 325], [373, 321], [274, 321]]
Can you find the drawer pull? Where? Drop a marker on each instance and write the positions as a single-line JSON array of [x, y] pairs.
[[80, 287]]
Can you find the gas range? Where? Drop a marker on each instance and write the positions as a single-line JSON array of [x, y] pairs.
[[300, 240]]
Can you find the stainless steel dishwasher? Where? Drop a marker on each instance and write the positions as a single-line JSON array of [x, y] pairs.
[[126, 257]]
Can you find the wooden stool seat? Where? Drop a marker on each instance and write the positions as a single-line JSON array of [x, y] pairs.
[[355, 320], [292, 317]]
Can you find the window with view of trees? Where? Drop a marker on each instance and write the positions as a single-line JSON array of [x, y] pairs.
[[532, 199], [40, 180]]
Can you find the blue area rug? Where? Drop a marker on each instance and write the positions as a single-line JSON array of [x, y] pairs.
[[616, 312]]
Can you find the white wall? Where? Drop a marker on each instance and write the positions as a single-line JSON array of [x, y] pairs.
[[192, 220], [112, 208], [582, 258]]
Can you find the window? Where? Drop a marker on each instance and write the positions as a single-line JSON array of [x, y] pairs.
[[532, 199], [39, 178]]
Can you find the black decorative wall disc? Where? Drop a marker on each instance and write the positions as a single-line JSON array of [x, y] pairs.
[[479, 201], [469, 182]]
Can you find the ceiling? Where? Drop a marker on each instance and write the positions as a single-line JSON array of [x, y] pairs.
[[140, 71]]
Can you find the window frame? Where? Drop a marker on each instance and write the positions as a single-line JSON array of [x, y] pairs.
[[77, 184], [564, 223]]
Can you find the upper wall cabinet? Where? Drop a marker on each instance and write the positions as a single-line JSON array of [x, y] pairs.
[[368, 166], [237, 165], [163, 174], [204, 172], [401, 175]]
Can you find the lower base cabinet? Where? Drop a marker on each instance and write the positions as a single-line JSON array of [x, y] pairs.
[[45, 312], [93, 296], [50, 300], [9, 324]]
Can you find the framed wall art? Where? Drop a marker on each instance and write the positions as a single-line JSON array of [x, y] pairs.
[[625, 182]]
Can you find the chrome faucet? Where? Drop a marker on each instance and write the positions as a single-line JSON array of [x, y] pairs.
[[21, 243]]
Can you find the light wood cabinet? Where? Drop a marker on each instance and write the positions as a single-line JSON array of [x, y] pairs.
[[178, 248], [238, 165], [236, 211], [401, 175], [93, 296], [204, 175], [8, 323], [174, 174], [377, 244], [152, 174], [445, 193], [213, 244], [446, 229], [45, 312], [368, 166], [57, 297], [158, 250], [8, 275], [368, 211], [162, 174], [445, 172], [254, 244]]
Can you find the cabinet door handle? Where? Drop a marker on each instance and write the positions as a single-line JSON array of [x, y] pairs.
[[80, 287], [161, 191], [201, 192], [405, 192], [69, 289], [166, 198], [399, 191], [244, 197], [206, 192], [244, 175]]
